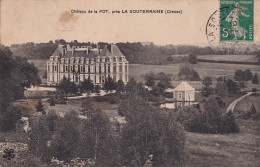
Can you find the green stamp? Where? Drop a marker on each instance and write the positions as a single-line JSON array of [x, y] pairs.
[[236, 20]]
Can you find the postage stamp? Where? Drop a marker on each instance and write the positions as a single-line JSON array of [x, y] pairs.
[[237, 23], [232, 24]]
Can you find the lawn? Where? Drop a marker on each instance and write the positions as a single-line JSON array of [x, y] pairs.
[[75, 105], [245, 104], [238, 58], [239, 149]]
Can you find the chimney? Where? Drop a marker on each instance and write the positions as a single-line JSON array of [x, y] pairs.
[[73, 50], [98, 47]]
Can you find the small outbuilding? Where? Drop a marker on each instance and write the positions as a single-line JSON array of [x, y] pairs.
[[184, 94]]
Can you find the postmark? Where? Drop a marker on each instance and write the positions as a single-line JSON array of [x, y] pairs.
[[232, 24]]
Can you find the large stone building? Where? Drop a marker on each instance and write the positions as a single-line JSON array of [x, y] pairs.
[[82, 62]]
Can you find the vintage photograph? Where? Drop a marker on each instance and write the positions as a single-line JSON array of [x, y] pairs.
[[129, 83]]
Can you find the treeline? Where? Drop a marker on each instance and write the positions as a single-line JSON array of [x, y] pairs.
[[229, 62], [135, 52]]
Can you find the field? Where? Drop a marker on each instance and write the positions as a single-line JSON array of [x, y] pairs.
[[245, 104], [238, 150], [204, 69], [237, 58]]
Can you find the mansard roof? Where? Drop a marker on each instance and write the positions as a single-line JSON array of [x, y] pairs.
[[88, 53], [56, 52]]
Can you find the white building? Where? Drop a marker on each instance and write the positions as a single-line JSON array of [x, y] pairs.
[[82, 62], [184, 94]]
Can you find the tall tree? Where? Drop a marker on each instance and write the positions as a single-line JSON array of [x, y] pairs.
[[149, 132], [15, 75], [67, 87], [87, 86], [255, 79], [109, 84]]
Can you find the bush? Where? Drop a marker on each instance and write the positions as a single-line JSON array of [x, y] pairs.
[[188, 74], [207, 119]]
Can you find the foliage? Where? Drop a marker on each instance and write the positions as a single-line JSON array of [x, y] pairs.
[[34, 51], [206, 91], [149, 81], [9, 118], [188, 74], [97, 89], [207, 81], [67, 87], [149, 132], [209, 118], [109, 84], [221, 88], [241, 75], [192, 59], [40, 107], [69, 137], [232, 86], [87, 86], [15, 75], [255, 79], [120, 86], [52, 101], [252, 113]]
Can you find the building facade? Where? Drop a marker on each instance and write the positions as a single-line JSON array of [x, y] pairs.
[[82, 62], [184, 94]]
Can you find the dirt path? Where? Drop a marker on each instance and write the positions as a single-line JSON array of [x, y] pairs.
[[233, 104]]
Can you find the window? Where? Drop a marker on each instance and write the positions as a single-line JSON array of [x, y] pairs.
[[66, 68], [81, 68], [63, 68], [179, 95], [125, 67], [120, 68], [114, 68], [99, 69], [108, 68], [55, 68]]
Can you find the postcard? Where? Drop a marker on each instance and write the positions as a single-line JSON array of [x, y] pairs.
[[129, 83]]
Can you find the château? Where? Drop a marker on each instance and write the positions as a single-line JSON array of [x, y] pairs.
[[82, 62]]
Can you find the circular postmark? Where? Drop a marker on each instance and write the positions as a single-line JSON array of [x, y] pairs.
[[223, 31]]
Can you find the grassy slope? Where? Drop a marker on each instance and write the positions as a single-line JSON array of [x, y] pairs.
[[240, 149], [245, 104]]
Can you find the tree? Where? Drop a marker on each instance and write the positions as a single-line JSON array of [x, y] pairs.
[[241, 75], [149, 132], [52, 101], [109, 84], [87, 86], [40, 107], [255, 79], [221, 88], [207, 81], [120, 86], [97, 89], [232, 86], [15, 75], [188, 74], [67, 87], [252, 109], [206, 91], [149, 79], [192, 59]]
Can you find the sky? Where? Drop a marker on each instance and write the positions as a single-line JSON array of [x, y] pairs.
[[44, 20]]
